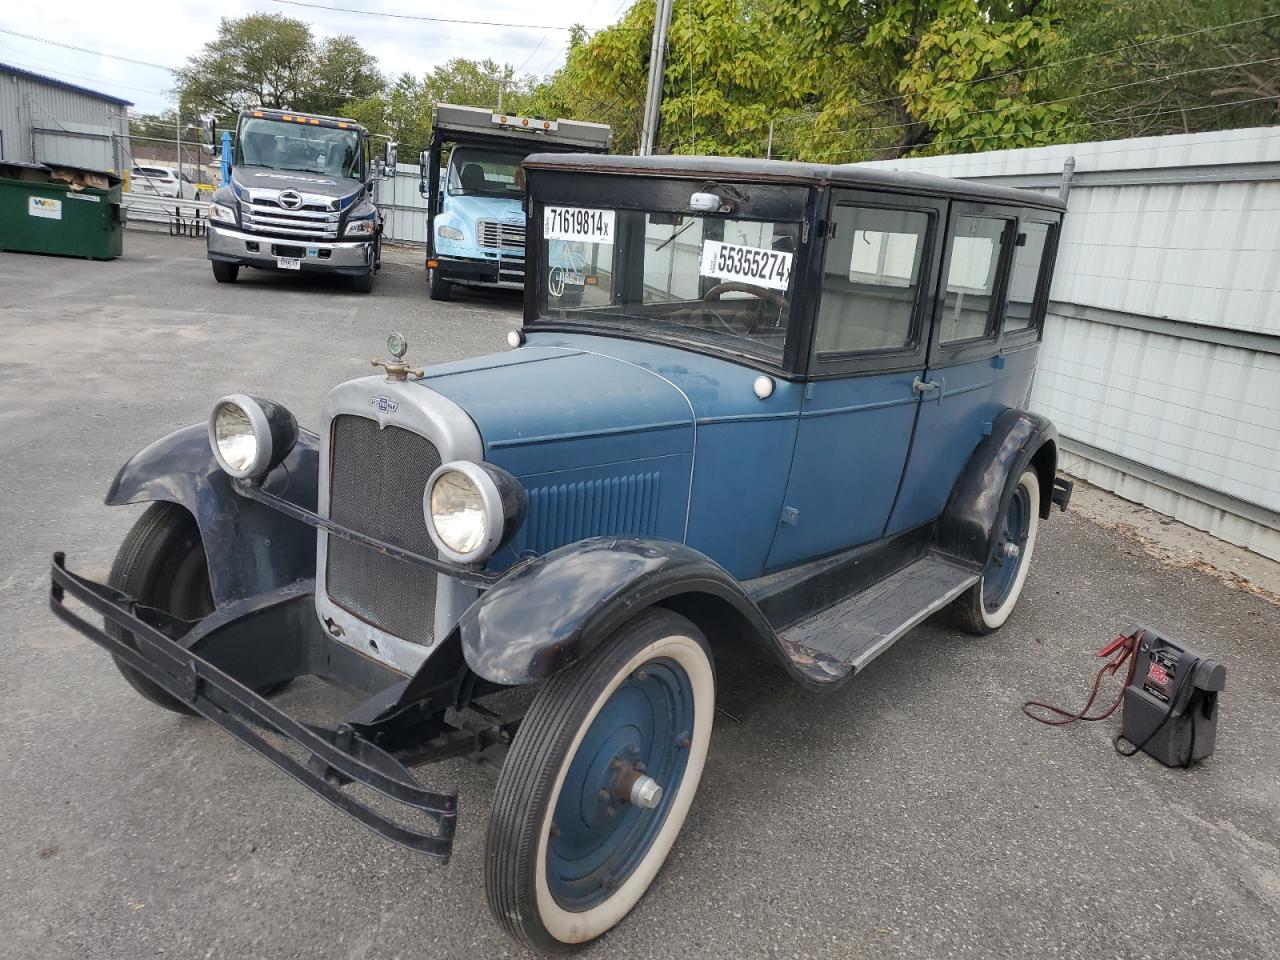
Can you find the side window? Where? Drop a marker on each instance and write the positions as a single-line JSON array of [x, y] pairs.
[[968, 310], [1024, 277], [870, 280]]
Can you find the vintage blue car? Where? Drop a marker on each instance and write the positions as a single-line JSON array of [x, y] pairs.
[[778, 412]]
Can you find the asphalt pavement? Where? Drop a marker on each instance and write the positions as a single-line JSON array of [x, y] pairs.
[[916, 813]]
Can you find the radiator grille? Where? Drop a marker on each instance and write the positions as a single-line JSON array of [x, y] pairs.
[[376, 481], [497, 235], [565, 512]]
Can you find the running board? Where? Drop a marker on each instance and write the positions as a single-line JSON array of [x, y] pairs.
[[844, 638]]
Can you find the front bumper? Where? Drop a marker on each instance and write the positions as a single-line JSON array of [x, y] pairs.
[[503, 270], [164, 650], [350, 257]]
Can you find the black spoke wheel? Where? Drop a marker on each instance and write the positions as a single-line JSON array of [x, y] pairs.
[[598, 783]]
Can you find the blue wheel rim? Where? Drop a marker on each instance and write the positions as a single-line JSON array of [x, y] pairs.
[[647, 720], [1010, 551]]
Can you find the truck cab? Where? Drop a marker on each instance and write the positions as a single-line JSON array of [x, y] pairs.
[[300, 198], [475, 193]]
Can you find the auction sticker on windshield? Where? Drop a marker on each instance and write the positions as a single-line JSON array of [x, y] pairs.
[[577, 223], [754, 265]]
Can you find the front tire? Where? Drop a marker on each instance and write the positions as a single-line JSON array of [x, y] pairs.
[[161, 563], [441, 289], [363, 283], [225, 272], [560, 867], [986, 605]]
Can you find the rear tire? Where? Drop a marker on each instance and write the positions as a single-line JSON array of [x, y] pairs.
[[225, 272], [441, 289], [571, 845], [985, 606]]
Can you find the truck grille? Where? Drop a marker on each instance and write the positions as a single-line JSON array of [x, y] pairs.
[[312, 220], [376, 480], [500, 236]]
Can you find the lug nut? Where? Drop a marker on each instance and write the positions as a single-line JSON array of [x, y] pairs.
[[683, 741]]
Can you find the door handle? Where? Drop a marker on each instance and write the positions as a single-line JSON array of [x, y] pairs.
[[922, 387]]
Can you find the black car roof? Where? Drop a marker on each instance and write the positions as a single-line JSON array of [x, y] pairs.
[[786, 171]]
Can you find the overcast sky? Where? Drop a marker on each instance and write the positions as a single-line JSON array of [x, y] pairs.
[[168, 32]]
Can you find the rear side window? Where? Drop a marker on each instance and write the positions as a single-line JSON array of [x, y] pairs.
[[870, 280], [977, 246], [150, 172], [1024, 277]]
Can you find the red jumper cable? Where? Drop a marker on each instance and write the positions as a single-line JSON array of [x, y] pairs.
[[1121, 649]]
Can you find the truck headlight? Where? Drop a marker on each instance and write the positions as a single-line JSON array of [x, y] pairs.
[[360, 228], [221, 213], [472, 509], [250, 436], [448, 232]]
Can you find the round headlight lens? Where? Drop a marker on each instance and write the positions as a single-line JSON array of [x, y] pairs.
[[458, 512], [234, 435]]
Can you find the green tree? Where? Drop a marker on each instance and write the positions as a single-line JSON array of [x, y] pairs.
[[1169, 66], [271, 60]]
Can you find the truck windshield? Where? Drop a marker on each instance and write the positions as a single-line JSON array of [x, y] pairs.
[[724, 282], [291, 146], [488, 173]]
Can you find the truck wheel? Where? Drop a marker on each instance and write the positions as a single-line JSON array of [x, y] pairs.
[[986, 605], [441, 289], [362, 283], [598, 782], [225, 272], [162, 563]]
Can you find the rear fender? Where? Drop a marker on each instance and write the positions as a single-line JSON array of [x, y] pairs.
[[1018, 439], [550, 612], [251, 548]]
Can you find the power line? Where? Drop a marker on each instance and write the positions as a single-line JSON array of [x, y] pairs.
[[1045, 103], [96, 53], [1045, 66], [58, 73], [415, 16], [832, 155]]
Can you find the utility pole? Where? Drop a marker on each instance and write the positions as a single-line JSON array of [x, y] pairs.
[[177, 140], [657, 67], [768, 151]]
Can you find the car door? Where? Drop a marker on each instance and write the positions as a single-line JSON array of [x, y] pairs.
[[868, 348], [958, 393]]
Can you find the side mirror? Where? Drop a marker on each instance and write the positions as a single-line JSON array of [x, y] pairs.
[[208, 127], [391, 153], [424, 162]]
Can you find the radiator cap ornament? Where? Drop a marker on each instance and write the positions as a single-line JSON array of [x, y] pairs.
[[397, 369]]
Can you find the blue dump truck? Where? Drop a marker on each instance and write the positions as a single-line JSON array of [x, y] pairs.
[[475, 195]]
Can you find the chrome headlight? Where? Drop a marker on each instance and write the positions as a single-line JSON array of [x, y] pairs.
[[221, 213], [360, 228], [250, 436], [448, 232], [472, 509]]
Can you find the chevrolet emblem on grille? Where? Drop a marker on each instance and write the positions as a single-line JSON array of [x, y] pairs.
[[384, 404]]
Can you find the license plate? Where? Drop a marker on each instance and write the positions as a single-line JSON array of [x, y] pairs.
[[289, 263]]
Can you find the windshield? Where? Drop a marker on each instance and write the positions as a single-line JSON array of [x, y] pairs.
[[716, 280], [488, 173], [291, 146]]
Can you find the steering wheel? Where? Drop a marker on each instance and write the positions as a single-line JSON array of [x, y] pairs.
[[750, 320]]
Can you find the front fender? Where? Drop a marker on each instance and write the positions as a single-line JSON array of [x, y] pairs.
[[550, 612], [967, 527], [251, 548]]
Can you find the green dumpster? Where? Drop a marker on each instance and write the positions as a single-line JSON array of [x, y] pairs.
[[55, 209]]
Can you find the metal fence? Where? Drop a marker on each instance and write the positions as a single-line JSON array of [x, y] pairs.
[[1161, 356]]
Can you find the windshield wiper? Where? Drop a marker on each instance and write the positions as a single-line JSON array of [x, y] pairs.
[[674, 234]]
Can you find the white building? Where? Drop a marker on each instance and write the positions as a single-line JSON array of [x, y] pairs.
[[44, 120]]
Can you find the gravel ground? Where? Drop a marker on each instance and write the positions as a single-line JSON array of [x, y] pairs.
[[914, 814]]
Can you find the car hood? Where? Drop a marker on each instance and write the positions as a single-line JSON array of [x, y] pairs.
[[559, 397], [273, 181]]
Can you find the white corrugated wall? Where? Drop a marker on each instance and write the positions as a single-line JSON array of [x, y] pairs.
[[47, 123], [1161, 356]]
